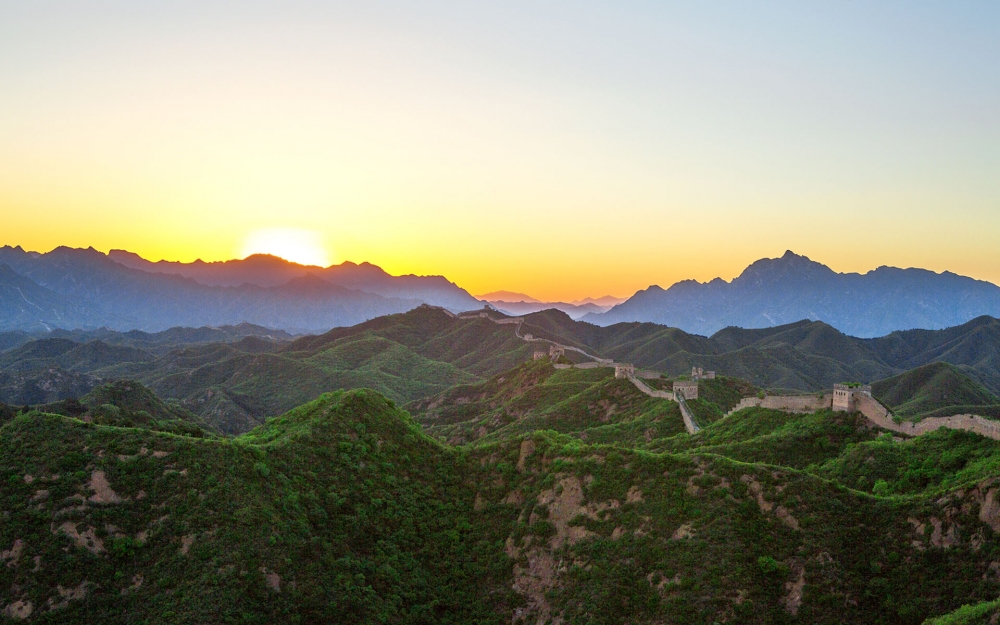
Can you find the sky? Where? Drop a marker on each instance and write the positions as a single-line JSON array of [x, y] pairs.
[[562, 149]]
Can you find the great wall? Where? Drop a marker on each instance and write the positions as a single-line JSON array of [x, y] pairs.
[[848, 398]]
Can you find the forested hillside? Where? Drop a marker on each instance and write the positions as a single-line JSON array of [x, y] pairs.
[[250, 373], [342, 510]]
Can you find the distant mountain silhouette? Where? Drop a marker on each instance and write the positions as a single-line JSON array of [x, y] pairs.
[[518, 308], [83, 288], [508, 296], [25, 305], [778, 291], [266, 270]]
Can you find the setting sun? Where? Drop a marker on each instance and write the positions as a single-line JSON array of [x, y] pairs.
[[304, 247]]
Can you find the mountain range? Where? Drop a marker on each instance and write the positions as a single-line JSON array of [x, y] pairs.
[[247, 373], [86, 289], [83, 288], [773, 292], [515, 304]]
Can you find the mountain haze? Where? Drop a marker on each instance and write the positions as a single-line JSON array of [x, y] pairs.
[[773, 292], [83, 288], [266, 270]]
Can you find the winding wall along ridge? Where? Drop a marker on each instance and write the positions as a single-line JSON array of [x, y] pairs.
[[689, 422], [876, 413], [868, 406]]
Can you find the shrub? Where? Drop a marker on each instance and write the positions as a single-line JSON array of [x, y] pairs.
[[770, 566]]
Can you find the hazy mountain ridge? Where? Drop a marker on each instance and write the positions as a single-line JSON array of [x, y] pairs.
[[265, 270], [778, 291], [78, 288], [516, 304], [576, 311]]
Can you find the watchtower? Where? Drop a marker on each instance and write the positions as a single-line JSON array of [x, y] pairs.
[[697, 373], [688, 389], [845, 396], [555, 352], [624, 370], [539, 355]]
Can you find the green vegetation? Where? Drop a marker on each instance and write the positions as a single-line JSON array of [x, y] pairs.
[[937, 389], [590, 404], [343, 510], [127, 403], [717, 397], [978, 614], [339, 511], [244, 376], [516, 493], [933, 462]]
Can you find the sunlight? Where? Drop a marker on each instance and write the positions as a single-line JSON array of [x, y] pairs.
[[304, 247]]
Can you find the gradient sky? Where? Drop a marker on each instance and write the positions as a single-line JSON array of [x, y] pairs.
[[562, 149]]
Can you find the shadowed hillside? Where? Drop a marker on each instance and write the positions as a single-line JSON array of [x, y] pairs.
[[934, 389]]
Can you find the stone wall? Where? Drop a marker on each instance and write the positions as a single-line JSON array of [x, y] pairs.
[[796, 403], [639, 384], [788, 403], [877, 414], [746, 402]]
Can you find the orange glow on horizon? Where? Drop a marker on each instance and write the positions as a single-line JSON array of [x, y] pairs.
[[304, 247], [504, 147]]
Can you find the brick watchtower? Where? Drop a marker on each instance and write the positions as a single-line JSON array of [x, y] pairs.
[[845, 396]]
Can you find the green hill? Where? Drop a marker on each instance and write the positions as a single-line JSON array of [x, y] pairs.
[[343, 510], [589, 404], [937, 388], [978, 614], [339, 511], [127, 403], [234, 384]]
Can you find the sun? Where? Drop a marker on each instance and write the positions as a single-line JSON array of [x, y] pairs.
[[304, 247]]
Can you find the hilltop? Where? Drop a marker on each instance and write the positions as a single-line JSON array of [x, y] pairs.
[[937, 389], [124, 403], [590, 404]]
